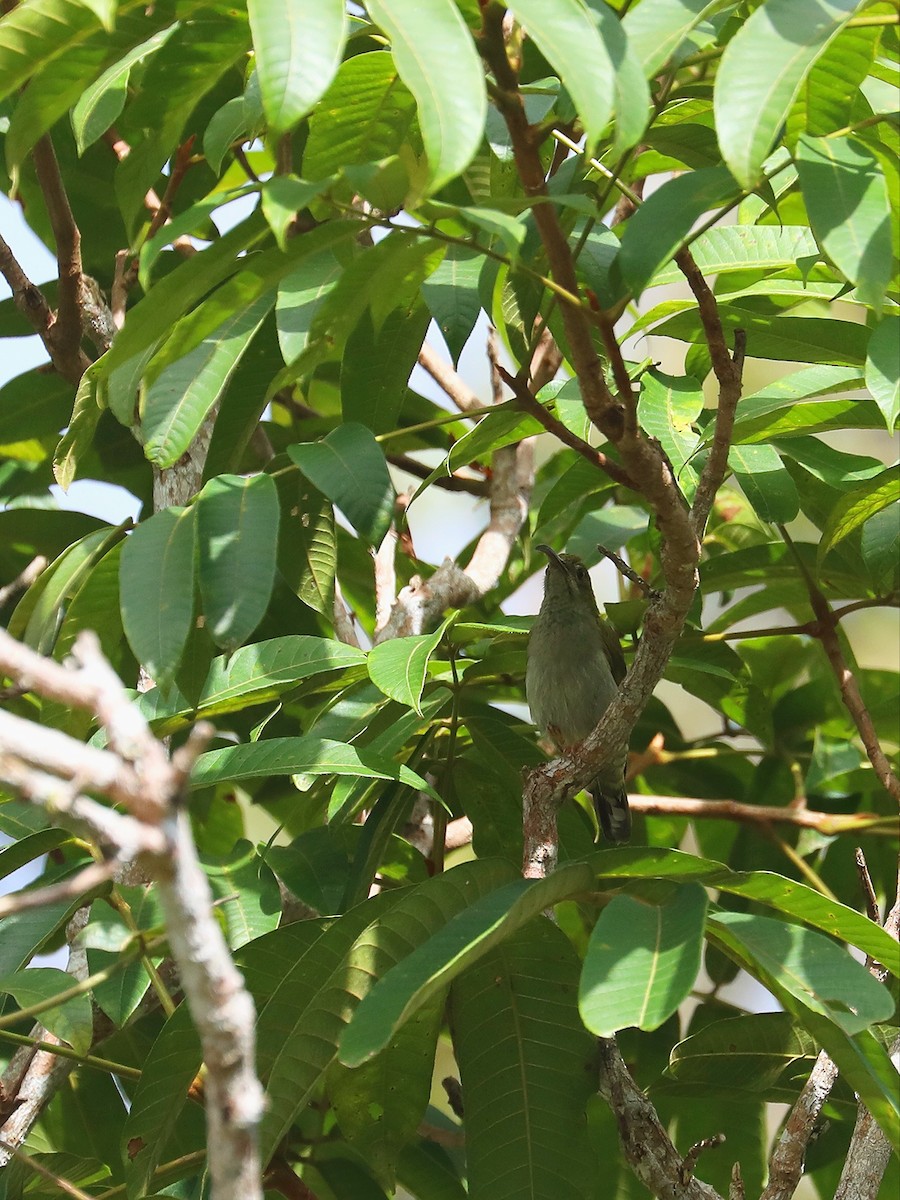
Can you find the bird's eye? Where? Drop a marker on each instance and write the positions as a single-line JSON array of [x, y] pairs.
[[581, 573]]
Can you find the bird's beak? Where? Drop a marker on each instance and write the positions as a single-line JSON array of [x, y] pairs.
[[552, 555]]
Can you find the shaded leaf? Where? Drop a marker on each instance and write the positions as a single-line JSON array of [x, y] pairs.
[[642, 960], [348, 466]]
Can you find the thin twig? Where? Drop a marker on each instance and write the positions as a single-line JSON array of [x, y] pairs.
[[630, 573], [530, 404], [849, 688], [23, 580], [689, 1164], [67, 889], [451, 383]]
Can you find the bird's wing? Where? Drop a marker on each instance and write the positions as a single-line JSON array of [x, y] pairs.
[[613, 650]]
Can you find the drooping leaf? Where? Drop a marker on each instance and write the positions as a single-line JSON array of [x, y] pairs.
[[156, 589], [348, 467], [883, 369], [571, 42], [657, 31], [298, 48], [847, 198], [377, 364], [642, 960], [761, 71], [448, 87], [667, 408], [237, 534], [101, 104], [363, 117], [525, 1078], [765, 482], [451, 293], [160, 1097]]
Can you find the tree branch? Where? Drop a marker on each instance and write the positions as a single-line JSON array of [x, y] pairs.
[[157, 825], [729, 374]]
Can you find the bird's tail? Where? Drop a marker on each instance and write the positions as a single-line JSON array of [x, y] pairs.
[[613, 813]]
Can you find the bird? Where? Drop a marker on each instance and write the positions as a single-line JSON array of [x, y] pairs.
[[575, 666]]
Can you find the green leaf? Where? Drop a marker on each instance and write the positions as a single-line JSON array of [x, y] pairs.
[[795, 899], [778, 409], [524, 1062], [741, 1056], [156, 589], [282, 198], [177, 400], [659, 227], [31, 846], [363, 117], [808, 966], [448, 86], [101, 104], [730, 248], [642, 960], [883, 369], [765, 482], [668, 406], [60, 583], [298, 49], [159, 1099], [71, 1021], [657, 31], [849, 208], [348, 467], [260, 672], [246, 892], [377, 364], [856, 507], [399, 666], [318, 991], [394, 1087], [461, 942], [35, 34], [298, 756], [237, 534], [451, 293], [307, 550], [299, 295], [569, 39], [791, 339], [22, 934], [761, 71], [177, 293]]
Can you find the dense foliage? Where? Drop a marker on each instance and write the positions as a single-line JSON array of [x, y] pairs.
[[383, 195]]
